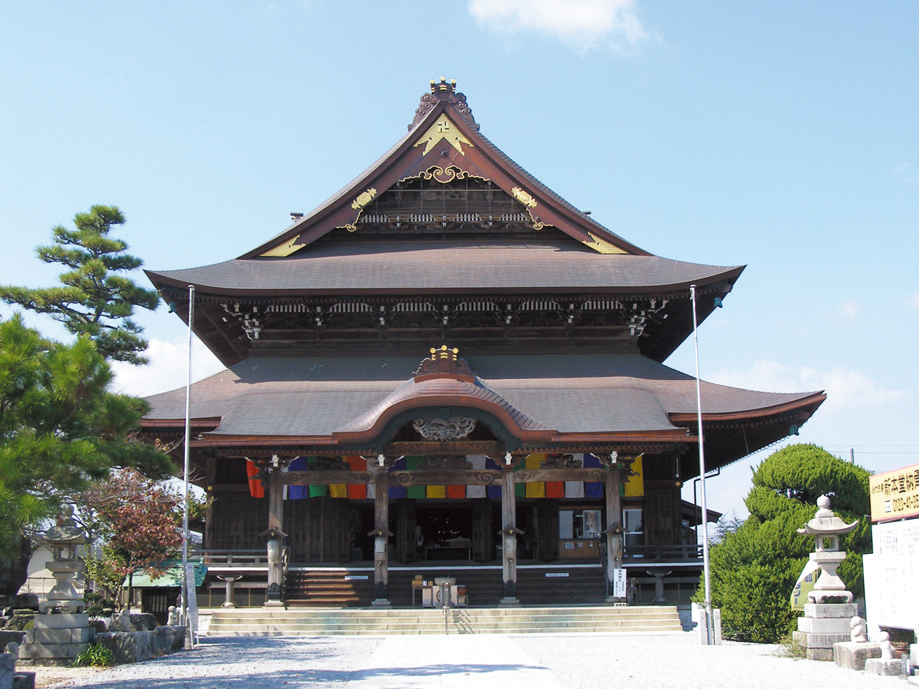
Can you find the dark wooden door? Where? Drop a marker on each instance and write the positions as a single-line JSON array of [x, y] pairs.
[[547, 530], [482, 531], [406, 519], [661, 517]]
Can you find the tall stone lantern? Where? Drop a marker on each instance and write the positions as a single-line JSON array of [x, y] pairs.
[[826, 623], [63, 631], [826, 528], [63, 540]]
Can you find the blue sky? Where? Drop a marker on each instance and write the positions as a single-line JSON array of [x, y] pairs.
[[781, 135]]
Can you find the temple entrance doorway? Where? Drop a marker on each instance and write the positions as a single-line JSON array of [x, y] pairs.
[[462, 530]]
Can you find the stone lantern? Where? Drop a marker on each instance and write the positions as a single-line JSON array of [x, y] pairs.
[[826, 528], [829, 606], [63, 540]]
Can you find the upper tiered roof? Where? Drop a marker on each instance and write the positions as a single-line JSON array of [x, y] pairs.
[[444, 213]]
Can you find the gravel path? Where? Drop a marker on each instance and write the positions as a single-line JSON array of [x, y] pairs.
[[575, 662]]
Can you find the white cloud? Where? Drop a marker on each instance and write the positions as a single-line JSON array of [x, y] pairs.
[[845, 388], [167, 369], [582, 24], [912, 301], [847, 312]]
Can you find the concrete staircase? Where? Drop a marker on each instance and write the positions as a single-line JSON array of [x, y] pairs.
[[547, 585], [511, 620]]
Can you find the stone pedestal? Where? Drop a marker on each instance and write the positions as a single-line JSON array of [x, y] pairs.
[[885, 667], [700, 618], [823, 625], [56, 639], [853, 655], [7, 670]]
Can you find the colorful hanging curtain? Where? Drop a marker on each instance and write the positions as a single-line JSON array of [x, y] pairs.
[[356, 491], [634, 486], [494, 492], [414, 492], [478, 462], [592, 489], [297, 492], [575, 489], [256, 489], [534, 489], [398, 492]]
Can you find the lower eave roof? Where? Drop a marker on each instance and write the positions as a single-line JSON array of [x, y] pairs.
[[573, 395], [444, 266]]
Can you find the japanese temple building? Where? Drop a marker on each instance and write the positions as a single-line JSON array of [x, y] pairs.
[[448, 362]]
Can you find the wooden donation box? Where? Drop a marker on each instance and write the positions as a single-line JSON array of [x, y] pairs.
[[442, 591]]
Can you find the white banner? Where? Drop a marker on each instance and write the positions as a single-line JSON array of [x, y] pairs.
[[619, 583]]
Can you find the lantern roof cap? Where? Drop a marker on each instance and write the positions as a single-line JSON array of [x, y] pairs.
[[825, 522]]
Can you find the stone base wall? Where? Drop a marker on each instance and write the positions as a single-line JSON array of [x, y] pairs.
[[56, 639], [823, 625], [134, 647]]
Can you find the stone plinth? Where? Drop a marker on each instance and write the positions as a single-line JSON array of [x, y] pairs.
[[134, 647], [884, 667], [853, 655], [823, 625], [56, 639], [7, 670]]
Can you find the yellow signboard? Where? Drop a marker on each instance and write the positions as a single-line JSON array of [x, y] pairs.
[[895, 494]]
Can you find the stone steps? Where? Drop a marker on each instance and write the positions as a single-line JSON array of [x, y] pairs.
[[536, 585], [321, 622]]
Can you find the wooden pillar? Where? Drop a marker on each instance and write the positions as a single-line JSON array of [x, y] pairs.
[[509, 533], [209, 516], [614, 533], [275, 535], [381, 536]]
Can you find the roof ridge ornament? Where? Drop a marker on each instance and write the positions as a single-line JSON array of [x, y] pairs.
[[443, 92], [444, 361]]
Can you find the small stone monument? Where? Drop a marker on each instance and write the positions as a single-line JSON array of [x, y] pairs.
[[63, 631], [829, 606], [853, 654], [886, 665]]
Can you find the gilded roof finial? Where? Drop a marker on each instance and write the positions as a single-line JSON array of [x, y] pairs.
[[443, 85], [443, 91]]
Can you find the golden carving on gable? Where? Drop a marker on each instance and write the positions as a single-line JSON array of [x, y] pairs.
[[524, 198], [285, 249], [446, 175], [443, 130], [602, 246], [363, 199], [359, 204]]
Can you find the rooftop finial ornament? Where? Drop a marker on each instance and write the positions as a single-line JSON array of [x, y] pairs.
[[826, 528], [443, 85]]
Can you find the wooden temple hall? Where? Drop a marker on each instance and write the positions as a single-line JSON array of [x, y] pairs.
[[448, 370]]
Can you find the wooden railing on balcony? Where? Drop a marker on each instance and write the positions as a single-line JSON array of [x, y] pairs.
[[231, 557], [663, 553]]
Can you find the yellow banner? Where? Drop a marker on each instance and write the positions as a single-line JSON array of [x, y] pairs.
[[894, 494], [635, 485]]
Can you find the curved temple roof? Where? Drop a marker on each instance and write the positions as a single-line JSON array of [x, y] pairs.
[[296, 400], [445, 214]]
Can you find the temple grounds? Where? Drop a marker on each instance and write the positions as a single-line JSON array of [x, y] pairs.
[[509, 662]]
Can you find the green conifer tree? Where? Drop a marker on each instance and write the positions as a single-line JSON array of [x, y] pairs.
[[95, 298]]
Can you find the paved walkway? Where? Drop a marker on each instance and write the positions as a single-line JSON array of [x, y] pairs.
[[454, 662], [487, 661]]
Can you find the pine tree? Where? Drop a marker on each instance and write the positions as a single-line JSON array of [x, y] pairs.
[[755, 566], [95, 298], [60, 427]]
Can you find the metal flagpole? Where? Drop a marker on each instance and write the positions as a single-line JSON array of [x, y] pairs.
[[709, 622], [189, 640]]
